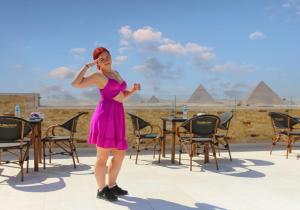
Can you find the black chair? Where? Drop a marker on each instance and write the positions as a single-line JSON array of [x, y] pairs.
[[65, 143], [196, 132], [221, 136], [283, 127], [13, 132], [142, 137]]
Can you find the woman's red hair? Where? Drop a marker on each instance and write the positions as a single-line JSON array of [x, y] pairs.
[[98, 51]]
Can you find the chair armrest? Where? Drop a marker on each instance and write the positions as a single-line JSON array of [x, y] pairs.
[[179, 133], [140, 132], [159, 128], [51, 129]]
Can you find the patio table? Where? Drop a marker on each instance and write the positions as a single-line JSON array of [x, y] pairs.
[[174, 120], [36, 139]]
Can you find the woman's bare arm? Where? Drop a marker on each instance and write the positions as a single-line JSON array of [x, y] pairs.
[[136, 87], [81, 81], [129, 92]]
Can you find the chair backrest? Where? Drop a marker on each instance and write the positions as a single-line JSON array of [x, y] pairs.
[[203, 125], [137, 122], [225, 119], [13, 128], [71, 124], [199, 114], [283, 121]]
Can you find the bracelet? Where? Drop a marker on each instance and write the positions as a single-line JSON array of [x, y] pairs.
[[87, 66]]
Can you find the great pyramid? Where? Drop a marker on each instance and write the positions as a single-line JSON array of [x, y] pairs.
[[201, 95], [153, 99], [263, 95]]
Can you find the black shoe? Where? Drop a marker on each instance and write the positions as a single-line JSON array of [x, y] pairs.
[[116, 190], [106, 194]]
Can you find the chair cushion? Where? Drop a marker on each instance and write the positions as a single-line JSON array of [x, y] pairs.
[[197, 139], [149, 136], [13, 145], [294, 133], [27, 139], [289, 133], [56, 138]]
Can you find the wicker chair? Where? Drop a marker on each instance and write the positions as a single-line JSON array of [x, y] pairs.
[[196, 132], [139, 126], [13, 132], [65, 143], [221, 136], [283, 127]]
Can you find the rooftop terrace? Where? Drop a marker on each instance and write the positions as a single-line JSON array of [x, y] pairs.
[[253, 180]]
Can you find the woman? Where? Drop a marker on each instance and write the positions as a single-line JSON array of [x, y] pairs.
[[107, 128]]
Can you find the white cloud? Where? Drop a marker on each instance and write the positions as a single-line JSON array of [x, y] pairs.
[[120, 59], [206, 56], [78, 52], [56, 92], [154, 69], [126, 35], [172, 48], [62, 73], [151, 40], [125, 32], [193, 47], [146, 34], [179, 49], [257, 35], [156, 73], [232, 67]]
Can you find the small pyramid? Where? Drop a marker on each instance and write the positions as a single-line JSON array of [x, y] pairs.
[[201, 95], [263, 95], [153, 99]]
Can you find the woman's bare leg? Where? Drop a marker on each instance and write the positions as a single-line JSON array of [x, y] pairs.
[[100, 166], [115, 166]]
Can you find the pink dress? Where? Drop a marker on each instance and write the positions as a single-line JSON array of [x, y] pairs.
[[107, 128]]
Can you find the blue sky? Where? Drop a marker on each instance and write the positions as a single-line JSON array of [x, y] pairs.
[[169, 46]]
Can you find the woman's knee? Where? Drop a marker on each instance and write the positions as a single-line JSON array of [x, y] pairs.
[[101, 161], [119, 155]]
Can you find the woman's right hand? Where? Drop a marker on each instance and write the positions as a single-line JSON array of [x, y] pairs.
[[89, 65]]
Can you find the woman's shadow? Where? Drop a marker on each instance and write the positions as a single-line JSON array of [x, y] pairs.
[[135, 203]]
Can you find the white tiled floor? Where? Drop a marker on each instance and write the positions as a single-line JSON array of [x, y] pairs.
[[254, 180]]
